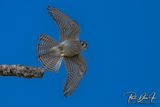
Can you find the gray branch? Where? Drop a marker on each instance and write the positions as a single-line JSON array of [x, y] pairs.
[[21, 71]]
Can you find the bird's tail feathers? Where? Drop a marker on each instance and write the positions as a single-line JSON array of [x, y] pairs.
[[51, 60]]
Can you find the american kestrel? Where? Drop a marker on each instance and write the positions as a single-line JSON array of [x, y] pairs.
[[51, 53]]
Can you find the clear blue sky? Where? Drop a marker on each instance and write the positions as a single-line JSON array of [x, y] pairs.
[[123, 53]]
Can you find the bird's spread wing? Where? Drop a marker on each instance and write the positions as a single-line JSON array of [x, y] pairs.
[[76, 67], [69, 29]]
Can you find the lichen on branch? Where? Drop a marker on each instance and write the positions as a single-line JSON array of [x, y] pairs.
[[21, 71]]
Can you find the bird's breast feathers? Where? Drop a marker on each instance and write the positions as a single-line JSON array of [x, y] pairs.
[[69, 48]]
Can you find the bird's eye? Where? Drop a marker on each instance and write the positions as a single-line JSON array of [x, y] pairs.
[[84, 44]]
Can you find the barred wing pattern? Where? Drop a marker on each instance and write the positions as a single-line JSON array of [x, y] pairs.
[[48, 59], [76, 69], [69, 29]]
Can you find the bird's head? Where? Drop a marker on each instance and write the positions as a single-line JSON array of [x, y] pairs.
[[84, 45]]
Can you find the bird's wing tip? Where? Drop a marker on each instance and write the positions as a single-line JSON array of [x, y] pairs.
[[50, 7], [67, 92]]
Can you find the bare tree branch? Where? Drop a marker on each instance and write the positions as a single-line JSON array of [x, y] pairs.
[[21, 71]]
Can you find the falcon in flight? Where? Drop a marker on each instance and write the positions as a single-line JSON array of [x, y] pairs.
[[51, 53]]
